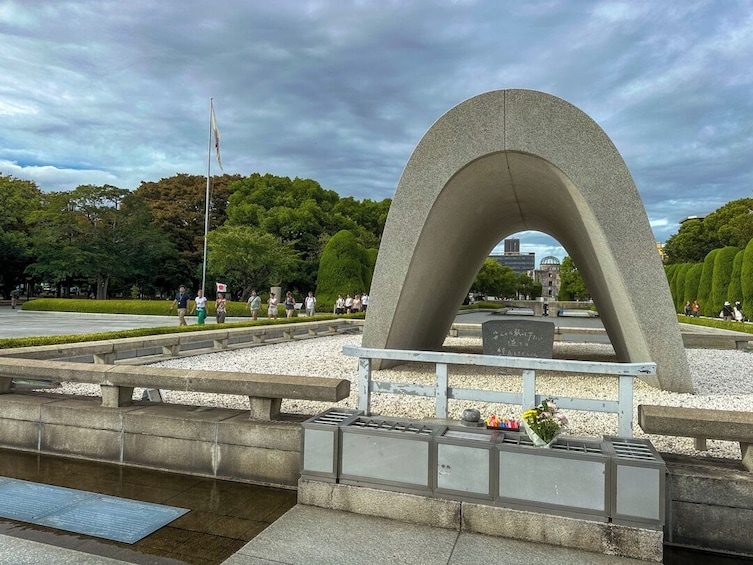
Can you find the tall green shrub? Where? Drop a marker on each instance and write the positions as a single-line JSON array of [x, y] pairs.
[[692, 280], [679, 295], [671, 271], [735, 290], [746, 279], [340, 269], [704, 285], [723, 263]]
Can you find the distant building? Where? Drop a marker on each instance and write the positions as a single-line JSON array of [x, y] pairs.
[[700, 218], [660, 249], [521, 263], [548, 274], [512, 246]]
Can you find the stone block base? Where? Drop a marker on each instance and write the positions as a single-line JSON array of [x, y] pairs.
[[598, 537], [195, 440]]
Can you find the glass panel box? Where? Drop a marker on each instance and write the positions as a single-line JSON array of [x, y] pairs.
[[570, 478], [388, 453], [321, 443], [466, 463], [638, 482]]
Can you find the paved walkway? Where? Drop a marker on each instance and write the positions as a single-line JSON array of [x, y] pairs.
[[306, 535]]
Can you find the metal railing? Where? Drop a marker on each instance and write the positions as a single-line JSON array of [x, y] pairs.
[[442, 391]]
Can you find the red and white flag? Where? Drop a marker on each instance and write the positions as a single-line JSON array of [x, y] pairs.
[[216, 136], [221, 287]]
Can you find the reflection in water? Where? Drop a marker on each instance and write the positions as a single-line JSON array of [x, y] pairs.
[[223, 515]]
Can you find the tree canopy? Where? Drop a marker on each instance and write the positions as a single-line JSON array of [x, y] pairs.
[[572, 285], [494, 279], [115, 241], [729, 225]]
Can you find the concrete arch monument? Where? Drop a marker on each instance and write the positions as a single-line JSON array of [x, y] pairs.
[[503, 162]]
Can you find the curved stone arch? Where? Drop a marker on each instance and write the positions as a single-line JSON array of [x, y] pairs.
[[508, 161]]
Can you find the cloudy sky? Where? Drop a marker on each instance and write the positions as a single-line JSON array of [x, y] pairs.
[[105, 92]]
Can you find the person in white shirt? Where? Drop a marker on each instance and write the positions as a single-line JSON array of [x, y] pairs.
[[272, 306], [200, 307], [340, 305], [348, 303], [310, 304], [364, 302]]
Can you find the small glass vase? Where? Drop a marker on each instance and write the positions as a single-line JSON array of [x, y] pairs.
[[537, 440]]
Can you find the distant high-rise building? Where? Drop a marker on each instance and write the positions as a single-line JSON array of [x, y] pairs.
[[519, 262]]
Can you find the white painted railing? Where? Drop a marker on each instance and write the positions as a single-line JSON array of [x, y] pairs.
[[441, 390]]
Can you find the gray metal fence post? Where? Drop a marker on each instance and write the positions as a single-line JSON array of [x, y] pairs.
[[529, 389], [625, 410], [364, 385], [441, 390]]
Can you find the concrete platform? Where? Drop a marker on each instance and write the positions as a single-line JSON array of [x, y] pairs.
[[307, 535]]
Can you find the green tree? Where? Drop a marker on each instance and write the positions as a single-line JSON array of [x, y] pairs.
[[98, 234], [142, 247], [731, 225], [690, 244], [723, 265], [247, 258], [20, 198], [178, 207], [527, 288], [704, 285], [300, 211], [572, 285], [341, 268], [728, 225], [494, 279]]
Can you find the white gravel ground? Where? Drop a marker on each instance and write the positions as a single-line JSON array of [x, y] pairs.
[[722, 380]]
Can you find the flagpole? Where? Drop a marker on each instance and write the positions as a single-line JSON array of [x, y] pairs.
[[206, 213]]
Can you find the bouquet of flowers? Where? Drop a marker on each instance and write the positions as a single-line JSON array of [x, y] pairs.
[[544, 423]]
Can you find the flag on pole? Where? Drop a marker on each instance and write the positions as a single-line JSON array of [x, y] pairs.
[[216, 136], [221, 287]]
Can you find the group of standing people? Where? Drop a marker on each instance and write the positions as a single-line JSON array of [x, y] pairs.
[[351, 304], [254, 304], [728, 312], [692, 309], [183, 298]]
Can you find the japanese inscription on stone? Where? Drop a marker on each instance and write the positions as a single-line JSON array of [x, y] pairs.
[[518, 338]]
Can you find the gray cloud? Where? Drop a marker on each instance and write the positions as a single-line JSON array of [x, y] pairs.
[[341, 92]]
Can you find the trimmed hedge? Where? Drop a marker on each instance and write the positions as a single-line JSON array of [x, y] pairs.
[[343, 266], [704, 285], [11, 343], [735, 288], [692, 280], [723, 263], [679, 288], [746, 278]]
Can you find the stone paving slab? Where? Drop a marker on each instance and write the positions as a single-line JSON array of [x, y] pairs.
[[307, 535]]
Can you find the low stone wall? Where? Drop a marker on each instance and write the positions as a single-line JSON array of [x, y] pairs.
[[710, 504], [212, 442]]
